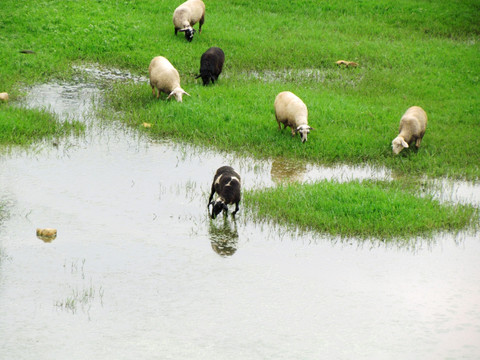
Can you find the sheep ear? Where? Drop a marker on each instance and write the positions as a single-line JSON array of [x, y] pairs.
[[184, 92], [404, 144], [310, 128], [170, 95], [182, 30], [199, 75]]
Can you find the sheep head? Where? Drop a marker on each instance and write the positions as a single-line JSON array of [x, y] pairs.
[[217, 207], [398, 144], [189, 31], [304, 130], [178, 94]]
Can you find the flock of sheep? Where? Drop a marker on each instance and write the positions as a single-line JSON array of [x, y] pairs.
[[290, 110]]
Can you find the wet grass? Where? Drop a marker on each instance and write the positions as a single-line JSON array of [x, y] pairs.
[[20, 126], [80, 297], [358, 209]]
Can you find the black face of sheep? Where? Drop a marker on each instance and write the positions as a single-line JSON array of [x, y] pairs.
[[217, 208], [189, 34]]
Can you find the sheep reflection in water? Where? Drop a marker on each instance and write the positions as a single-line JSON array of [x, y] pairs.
[[224, 237], [287, 171]]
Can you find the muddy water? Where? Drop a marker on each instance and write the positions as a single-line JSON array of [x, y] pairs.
[[139, 271]]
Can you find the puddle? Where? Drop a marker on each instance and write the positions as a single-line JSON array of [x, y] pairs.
[[330, 75], [138, 269]]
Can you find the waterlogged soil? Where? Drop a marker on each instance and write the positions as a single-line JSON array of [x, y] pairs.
[[139, 271]]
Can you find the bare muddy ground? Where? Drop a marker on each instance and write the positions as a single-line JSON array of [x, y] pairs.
[[138, 270]]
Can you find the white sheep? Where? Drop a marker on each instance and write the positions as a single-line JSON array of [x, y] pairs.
[[187, 15], [165, 78], [412, 128], [291, 111]]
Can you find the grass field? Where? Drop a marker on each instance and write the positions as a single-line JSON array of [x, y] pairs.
[[409, 52]]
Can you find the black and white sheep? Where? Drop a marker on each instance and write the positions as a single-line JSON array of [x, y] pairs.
[[188, 14], [211, 64], [227, 184], [291, 111], [165, 78], [412, 128]]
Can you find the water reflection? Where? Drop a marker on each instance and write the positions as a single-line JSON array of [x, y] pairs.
[[223, 235], [288, 170]]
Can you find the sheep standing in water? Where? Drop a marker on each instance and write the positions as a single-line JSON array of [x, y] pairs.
[[187, 15], [227, 184], [291, 111], [165, 78], [211, 64], [412, 128]]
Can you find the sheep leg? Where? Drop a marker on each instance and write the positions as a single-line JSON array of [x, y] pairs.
[[176, 30], [293, 132], [236, 209], [211, 194], [153, 90], [417, 143], [202, 20]]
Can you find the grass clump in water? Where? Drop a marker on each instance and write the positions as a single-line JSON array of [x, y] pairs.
[[360, 209], [20, 126]]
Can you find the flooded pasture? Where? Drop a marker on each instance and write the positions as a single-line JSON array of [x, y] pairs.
[[138, 270]]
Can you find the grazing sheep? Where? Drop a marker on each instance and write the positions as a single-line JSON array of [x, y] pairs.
[[226, 183], [4, 96], [211, 64], [291, 111], [412, 128], [165, 78], [187, 15]]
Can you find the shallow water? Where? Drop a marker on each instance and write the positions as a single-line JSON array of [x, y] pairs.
[[139, 271]]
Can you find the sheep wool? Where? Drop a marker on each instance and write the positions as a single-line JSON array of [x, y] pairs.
[[413, 125], [291, 111], [165, 78]]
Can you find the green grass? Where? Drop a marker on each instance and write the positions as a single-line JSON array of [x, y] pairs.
[[24, 127], [363, 210]]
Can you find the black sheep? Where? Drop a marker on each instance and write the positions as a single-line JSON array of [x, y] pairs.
[[211, 64], [226, 183]]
